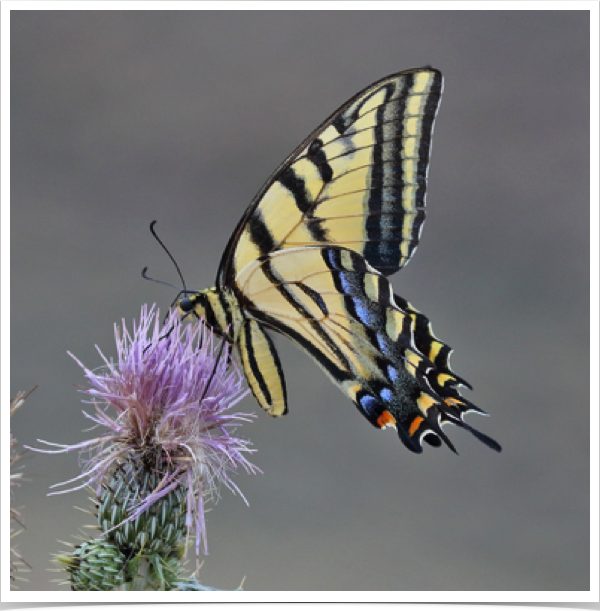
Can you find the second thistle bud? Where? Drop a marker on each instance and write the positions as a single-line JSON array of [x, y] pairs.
[[95, 565]]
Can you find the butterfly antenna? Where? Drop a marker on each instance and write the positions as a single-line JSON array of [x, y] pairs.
[[146, 277], [152, 230]]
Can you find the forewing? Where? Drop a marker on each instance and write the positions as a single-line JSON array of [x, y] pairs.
[[358, 181]]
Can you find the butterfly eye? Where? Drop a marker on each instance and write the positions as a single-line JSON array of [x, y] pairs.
[[186, 305]]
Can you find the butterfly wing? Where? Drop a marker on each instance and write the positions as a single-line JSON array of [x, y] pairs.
[[358, 181], [310, 256], [381, 353], [262, 368]]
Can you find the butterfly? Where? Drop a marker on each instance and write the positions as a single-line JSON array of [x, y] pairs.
[[310, 260]]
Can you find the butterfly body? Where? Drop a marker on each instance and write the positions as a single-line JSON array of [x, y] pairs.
[[219, 309], [310, 259]]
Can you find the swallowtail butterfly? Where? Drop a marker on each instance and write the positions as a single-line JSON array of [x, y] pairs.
[[311, 256]]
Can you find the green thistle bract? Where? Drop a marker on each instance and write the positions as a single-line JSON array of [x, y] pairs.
[[160, 528], [95, 565]]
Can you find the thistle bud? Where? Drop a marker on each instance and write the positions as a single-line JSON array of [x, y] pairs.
[[95, 565], [160, 528]]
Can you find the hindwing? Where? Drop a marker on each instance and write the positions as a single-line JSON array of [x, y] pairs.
[[381, 353], [262, 368], [358, 181]]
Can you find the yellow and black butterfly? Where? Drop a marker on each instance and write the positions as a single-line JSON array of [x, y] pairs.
[[310, 256]]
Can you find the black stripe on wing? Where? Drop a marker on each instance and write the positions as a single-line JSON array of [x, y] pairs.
[[391, 122]]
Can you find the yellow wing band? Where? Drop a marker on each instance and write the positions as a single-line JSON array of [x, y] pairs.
[[262, 368]]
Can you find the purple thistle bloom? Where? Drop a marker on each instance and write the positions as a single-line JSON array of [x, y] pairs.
[[164, 407]]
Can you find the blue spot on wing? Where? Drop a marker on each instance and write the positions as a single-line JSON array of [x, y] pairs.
[[383, 342], [392, 373], [386, 394], [348, 283], [369, 404], [362, 311]]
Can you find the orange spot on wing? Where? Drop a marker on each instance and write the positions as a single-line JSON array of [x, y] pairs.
[[386, 419], [415, 424]]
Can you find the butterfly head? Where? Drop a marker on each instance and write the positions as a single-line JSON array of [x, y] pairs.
[[186, 305], [204, 305], [193, 304]]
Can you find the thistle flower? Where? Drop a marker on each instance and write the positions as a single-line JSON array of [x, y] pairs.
[[168, 442]]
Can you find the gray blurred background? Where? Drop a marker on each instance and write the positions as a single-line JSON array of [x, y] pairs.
[[119, 118]]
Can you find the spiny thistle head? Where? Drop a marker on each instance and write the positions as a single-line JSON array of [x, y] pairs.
[[167, 440], [160, 528]]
